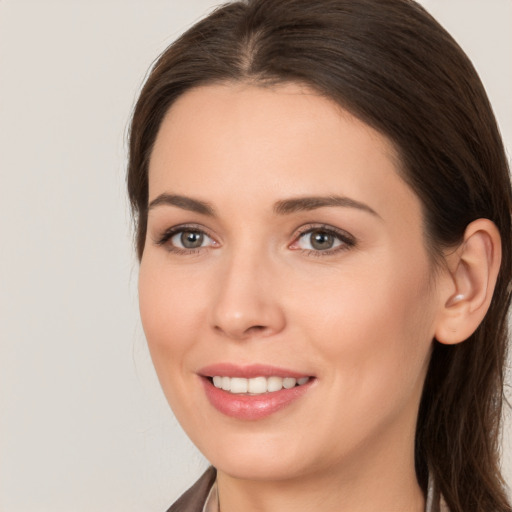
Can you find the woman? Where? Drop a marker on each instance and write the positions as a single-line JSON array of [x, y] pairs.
[[322, 206]]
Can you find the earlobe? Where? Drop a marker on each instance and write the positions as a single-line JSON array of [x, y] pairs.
[[473, 271]]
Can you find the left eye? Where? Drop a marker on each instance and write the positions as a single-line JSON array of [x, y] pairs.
[[320, 240], [190, 239]]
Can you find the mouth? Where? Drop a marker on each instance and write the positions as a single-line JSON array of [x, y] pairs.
[[253, 392], [256, 385]]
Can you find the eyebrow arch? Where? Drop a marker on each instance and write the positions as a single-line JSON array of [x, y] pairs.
[[283, 207], [288, 206], [184, 202]]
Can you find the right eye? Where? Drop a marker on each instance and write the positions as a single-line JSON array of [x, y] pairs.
[[188, 239], [183, 240]]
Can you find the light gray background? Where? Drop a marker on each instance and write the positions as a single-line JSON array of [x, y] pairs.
[[83, 423]]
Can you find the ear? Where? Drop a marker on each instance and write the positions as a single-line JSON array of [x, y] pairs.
[[469, 283]]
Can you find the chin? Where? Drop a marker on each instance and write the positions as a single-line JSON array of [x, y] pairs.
[[258, 468], [258, 456]]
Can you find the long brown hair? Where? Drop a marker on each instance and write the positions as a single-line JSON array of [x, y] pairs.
[[392, 65]]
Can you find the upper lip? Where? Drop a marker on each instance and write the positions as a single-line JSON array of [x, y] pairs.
[[249, 371]]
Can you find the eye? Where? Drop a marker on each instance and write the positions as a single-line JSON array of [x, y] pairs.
[[324, 240], [189, 239], [319, 240], [185, 240]]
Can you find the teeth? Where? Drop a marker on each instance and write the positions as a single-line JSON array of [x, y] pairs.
[[289, 383], [238, 385], [257, 385], [274, 384]]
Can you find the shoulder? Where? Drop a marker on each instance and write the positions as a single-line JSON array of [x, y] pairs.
[[193, 500]]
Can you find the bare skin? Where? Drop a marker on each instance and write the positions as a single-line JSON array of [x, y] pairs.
[[344, 293]]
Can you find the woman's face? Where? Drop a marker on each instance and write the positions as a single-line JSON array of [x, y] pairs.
[[282, 244]]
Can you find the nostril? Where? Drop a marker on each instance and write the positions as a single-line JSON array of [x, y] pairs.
[[243, 333], [256, 328]]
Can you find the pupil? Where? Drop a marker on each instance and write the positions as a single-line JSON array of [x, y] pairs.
[[191, 239], [321, 240]]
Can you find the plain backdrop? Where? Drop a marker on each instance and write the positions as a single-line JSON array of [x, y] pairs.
[[83, 423]]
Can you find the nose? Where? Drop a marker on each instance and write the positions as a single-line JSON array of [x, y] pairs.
[[246, 303]]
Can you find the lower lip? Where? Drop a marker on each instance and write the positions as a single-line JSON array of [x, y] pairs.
[[252, 407]]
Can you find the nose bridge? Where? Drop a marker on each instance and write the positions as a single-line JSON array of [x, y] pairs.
[[245, 304]]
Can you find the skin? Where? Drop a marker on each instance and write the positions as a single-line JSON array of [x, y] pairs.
[[360, 320]]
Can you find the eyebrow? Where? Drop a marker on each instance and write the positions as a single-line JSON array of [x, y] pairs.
[[183, 202], [299, 204], [283, 207]]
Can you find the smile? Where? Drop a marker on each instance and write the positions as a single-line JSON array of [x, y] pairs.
[[253, 392], [257, 385]]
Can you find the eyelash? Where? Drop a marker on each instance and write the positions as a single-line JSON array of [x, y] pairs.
[[347, 240], [169, 233]]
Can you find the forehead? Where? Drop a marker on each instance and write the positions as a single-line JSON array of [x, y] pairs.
[[263, 142], [262, 114]]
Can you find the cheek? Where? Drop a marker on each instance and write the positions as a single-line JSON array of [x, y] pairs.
[[376, 329], [170, 309]]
